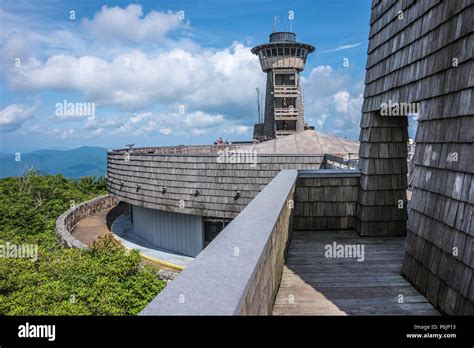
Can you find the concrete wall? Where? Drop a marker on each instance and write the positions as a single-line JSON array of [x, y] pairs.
[[66, 222], [425, 57], [326, 200], [269, 109], [138, 179], [182, 233], [240, 271], [300, 105]]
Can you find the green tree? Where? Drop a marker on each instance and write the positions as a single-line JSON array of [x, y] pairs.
[[103, 280]]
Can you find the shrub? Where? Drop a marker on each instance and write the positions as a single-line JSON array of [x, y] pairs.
[[103, 280]]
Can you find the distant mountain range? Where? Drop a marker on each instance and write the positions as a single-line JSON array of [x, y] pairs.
[[83, 161]]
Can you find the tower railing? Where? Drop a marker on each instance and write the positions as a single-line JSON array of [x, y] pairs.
[[283, 132], [284, 91], [286, 113]]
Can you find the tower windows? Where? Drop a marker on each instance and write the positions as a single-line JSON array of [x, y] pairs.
[[285, 80], [283, 51]]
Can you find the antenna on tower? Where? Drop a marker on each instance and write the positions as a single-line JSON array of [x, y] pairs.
[[275, 23], [258, 105]]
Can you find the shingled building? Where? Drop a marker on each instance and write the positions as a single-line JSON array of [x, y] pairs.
[[420, 56], [420, 52]]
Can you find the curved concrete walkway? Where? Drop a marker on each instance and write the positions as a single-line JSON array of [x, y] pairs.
[[116, 221], [89, 229]]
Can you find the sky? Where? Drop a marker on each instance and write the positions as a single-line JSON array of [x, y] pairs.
[[160, 72]]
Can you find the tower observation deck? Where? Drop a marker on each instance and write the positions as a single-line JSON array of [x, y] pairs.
[[283, 58]]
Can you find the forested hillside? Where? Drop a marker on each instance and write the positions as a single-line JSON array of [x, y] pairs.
[[105, 280]]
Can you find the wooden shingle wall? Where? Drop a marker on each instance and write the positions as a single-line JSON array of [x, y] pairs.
[[325, 203], [139, 180], [424, 57], [381, 209]]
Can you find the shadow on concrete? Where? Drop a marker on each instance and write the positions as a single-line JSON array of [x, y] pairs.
[[114, 213]]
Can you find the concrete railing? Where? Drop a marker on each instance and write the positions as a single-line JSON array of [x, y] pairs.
[[240, 271], [195, 150], [66, 222], [337, 162]]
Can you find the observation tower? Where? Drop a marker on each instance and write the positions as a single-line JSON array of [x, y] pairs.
[[283, 58]]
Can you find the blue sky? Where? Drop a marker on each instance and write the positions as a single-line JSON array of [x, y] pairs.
[[167, 72]]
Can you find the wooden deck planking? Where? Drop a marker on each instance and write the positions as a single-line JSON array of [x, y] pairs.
[[312, 284]]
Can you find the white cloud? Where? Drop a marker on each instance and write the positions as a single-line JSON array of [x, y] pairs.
[[195, 79], [199, 132], [239, 130], [209, 82], [201, 119], [320, 120], [13, 116], [20, 42], [129, 24], [58, 133], [16, 49], [354, 108], [333, 101], [63, 133], [322, 70], [165, 131], [216, 86], [197, 123], [342, 47], [345, 47], [108, 123], [341, 101], [140, 117]]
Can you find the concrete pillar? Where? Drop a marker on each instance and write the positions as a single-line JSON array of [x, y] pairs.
[[269, 119], [299, 105]]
